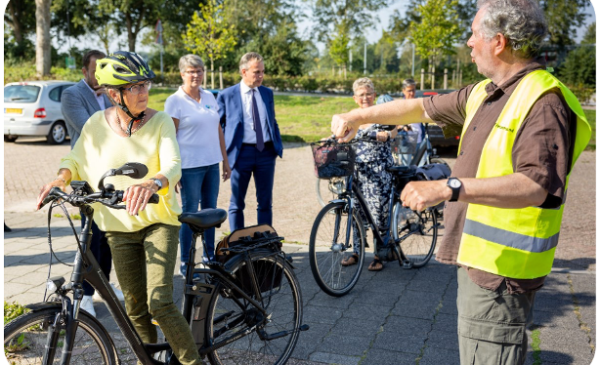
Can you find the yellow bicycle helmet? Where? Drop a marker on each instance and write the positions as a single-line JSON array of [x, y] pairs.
[[122, 68]]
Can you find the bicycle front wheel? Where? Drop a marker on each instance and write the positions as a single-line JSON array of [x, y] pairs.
[[416, 233], [268, 340], [26, 339], [330, 245]]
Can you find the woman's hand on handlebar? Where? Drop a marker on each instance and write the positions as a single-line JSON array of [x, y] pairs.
[[64, 175], [137, 196]]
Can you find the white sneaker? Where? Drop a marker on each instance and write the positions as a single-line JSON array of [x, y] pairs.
[[87, 304], [118, 292]]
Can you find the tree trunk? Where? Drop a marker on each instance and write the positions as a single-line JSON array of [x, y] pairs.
[[212, 74], [15, 23], [131, 35], [43, 41]]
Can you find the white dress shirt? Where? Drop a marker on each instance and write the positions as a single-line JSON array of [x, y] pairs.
[[99, 98], [249, 133]]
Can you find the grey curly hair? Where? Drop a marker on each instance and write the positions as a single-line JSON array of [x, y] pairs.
[[520, 21], [363, 82]]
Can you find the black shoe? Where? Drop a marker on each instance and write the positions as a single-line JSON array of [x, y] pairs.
[[6, 228]]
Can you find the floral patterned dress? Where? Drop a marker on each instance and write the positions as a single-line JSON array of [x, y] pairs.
[[372, 178]]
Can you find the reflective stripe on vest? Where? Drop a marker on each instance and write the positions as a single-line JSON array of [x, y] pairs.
[[515, 243]]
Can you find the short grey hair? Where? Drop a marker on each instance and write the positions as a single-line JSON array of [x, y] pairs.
[[522, 22], [190, 60], [363, 82], [408, 82], [250, 56]]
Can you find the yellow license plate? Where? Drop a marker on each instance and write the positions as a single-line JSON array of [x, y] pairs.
[[13, 111]]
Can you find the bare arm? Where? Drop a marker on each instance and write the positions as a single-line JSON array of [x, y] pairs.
[[226, 167], [397, 112], [512, 191], [63, 177]]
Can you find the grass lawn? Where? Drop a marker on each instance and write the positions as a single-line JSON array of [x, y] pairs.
[[300, 118], [308, 118], [591, 117]]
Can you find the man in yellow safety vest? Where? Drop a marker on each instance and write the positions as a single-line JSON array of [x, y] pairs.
[[521, 133]]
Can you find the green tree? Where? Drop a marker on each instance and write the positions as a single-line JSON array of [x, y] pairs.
[[579, 68], [339, 21], [132, 15], [209, 34], [21, 21], [438, 31], [564, 17]]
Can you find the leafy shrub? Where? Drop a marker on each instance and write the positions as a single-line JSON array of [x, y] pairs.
[[12, 311]]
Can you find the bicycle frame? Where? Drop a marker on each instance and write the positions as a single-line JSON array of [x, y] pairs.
[[402, 260]]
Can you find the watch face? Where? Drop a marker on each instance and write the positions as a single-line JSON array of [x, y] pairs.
[[454, 183]]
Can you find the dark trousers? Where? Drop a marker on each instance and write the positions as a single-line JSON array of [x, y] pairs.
[[101, 252], [250, 162]]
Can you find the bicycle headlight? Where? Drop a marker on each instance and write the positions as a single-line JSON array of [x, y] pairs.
[[54, 283]]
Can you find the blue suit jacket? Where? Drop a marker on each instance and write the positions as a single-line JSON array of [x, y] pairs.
[[232, 120], [78, 104]]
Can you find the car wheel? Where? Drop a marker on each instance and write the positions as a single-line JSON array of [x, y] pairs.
[[9, 138], [58, 133]]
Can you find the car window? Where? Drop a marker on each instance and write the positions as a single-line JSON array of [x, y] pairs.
[[62, 89], [54, 94], [21, 93]]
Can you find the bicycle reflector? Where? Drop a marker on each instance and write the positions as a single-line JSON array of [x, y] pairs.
[[54, 283]]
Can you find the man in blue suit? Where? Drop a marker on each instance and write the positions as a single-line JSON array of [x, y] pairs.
[[85, 98], [247, 112]]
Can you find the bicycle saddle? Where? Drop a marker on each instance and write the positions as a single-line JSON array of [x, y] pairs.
[[204, 219]]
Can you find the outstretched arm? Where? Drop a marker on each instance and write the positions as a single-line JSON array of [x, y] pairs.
[[397, 112]]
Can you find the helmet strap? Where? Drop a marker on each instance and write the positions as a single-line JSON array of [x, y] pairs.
[[124, 108]]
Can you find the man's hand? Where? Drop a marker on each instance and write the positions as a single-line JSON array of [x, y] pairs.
[[342, 128], [418, 195]]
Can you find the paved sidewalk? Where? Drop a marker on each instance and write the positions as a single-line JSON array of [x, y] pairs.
[[391, 317]]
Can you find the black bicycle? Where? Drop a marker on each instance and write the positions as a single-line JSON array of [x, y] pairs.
[[246, 309], [338, 228]]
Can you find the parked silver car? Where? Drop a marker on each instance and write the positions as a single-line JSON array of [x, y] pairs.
[[32, 108]]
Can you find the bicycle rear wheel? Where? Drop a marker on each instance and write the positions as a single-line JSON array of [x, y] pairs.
[[26, 337], [329, 246], [416, 234], [270, 340]]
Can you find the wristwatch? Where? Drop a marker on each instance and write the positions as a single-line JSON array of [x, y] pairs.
[[157, 182], [454, 184]]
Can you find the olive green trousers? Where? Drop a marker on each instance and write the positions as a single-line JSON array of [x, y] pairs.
[[144, 262], [492, 324]]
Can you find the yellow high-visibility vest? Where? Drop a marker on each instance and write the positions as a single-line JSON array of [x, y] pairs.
[[515, 243]]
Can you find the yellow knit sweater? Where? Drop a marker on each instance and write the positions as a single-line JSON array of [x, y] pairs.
[[100, 149]]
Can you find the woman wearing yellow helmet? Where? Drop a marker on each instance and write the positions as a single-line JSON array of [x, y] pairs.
[[143, 238]]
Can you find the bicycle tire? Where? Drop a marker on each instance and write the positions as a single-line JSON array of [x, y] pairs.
[[25, 339], [321, 185], [416, 234], [229, 315], [324, 250]]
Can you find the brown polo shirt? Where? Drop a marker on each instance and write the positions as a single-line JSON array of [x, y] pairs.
[[542, 151]]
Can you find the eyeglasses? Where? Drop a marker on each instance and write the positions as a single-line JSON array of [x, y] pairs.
[[194, 73], [137, 88], [367, 95]]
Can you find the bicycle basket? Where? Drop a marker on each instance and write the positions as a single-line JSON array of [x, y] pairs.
[[405, 144], [333, 159]]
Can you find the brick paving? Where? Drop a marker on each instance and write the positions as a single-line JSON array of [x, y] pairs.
[[391, 317]]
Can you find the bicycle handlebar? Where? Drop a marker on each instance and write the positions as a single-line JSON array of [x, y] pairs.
[[110, 199]]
